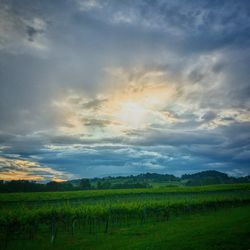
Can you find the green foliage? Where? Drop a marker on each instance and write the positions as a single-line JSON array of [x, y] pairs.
[[94, 194], [103, 185], [211, 177], [100, 210], [214, 230]]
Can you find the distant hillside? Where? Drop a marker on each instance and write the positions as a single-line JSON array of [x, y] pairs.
[[137, 181], [156, 180], [146, 180], [211, 177]]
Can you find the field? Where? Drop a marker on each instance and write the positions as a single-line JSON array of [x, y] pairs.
[[208, 217]]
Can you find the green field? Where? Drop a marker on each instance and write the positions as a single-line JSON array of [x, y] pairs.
[[208, 217]]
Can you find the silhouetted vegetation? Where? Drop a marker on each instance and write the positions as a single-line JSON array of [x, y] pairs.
[[212, 177], [84, 184], [146, 180]]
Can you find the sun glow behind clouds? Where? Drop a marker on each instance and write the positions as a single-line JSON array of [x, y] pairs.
[[134, 105], [138, 101], [132, 114]]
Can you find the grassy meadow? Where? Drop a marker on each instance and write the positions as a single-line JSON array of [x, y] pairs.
[[207, 217]]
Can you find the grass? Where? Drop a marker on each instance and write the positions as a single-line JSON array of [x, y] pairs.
[[70, 195], [227, 228], [207, 217]]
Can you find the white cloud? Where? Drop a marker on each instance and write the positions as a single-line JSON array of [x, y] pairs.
[[87, 5]]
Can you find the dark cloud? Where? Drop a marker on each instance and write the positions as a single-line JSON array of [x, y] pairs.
[[164, 137], [209, 116], [93, 104]]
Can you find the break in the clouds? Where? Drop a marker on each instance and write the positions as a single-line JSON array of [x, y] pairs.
[[105, 87]]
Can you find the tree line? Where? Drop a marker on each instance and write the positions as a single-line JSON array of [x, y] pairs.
[[85, 184], [210, 177]]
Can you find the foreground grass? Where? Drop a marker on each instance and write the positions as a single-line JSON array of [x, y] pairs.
[[227, 228]]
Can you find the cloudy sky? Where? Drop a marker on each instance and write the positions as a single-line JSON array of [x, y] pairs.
[[106, 87]]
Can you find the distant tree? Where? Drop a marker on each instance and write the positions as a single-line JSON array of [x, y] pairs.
[[103, 185], [59, 186], [52, 186], [208, 177], [85, 184]]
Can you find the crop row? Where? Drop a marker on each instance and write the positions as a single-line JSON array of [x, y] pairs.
[[47, 196], [25, 220]]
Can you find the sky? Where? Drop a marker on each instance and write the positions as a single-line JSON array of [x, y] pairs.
[[92, 88]]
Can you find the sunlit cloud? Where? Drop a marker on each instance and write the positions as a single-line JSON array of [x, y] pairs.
[[136, 104], [21, 169]]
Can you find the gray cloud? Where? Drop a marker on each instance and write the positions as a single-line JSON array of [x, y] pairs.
[[78, 58], [210, 115]]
